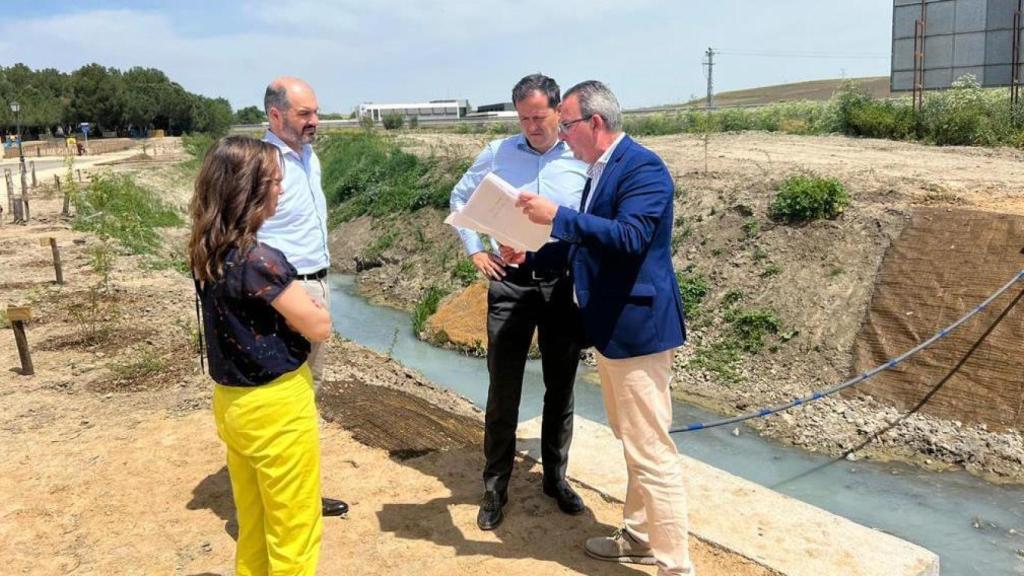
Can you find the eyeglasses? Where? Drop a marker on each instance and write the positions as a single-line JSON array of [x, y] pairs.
[[564, 127]]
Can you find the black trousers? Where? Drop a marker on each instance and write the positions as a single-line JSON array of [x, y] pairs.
[[515, 307]]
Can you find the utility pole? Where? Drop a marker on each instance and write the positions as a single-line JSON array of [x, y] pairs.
[[710, 63]]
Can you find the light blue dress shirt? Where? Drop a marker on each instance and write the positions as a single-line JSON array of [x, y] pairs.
[[299, 226], [554, 174]]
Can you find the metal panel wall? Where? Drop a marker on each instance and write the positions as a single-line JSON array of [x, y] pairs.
[[961, 37]]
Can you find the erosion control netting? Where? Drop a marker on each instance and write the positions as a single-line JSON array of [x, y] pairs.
[[946, 263]]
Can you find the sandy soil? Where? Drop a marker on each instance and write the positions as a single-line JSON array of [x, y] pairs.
[[113, 465]]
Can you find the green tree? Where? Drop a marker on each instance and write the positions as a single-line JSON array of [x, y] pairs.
[[98, 95], [250, 115]]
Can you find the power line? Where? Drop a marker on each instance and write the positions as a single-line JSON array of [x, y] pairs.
[[821, 55]]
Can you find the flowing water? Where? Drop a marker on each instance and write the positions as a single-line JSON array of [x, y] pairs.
[[977, 528]]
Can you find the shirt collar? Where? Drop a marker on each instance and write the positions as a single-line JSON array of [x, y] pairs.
[[272, 138], [608, 153], [524, 144], [603, 160]]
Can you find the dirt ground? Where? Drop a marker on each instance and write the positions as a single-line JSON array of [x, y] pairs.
[[113, 465], [818, 278]]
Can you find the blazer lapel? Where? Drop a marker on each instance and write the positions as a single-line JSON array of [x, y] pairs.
[[611, 171]]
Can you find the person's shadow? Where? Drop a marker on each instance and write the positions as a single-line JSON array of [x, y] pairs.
[[445, 445], [214, 493]]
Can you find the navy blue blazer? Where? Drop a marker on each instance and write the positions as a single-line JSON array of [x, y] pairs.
[[621, 258]]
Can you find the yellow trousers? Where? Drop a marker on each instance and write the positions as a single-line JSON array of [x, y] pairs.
[[273, 440]]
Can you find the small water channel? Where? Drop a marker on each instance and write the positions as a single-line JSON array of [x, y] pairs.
[[977, 528]]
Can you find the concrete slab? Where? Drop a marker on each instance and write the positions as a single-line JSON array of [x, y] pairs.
[[779, 532]]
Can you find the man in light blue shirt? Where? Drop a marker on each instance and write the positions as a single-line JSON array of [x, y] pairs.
[[299, 226], [527, 294]]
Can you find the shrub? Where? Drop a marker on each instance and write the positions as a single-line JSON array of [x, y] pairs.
[[805, 198], [366, 123], [960, 115], [393, 121], [653, 125], [114, 206], [883, 119]]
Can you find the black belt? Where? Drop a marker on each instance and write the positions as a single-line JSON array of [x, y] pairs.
[[533, 274], [314, 276]]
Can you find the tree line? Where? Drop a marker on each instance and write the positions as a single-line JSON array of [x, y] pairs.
[[130, 103]]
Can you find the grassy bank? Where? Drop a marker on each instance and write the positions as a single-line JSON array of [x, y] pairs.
[[365, 173]]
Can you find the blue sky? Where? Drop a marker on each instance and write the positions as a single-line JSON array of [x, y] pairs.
[[352, 51]]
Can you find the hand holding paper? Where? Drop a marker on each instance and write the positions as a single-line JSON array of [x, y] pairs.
[[492, 210], [538, 209]]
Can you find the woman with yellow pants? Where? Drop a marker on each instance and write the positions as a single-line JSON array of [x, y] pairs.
[[258, 324]]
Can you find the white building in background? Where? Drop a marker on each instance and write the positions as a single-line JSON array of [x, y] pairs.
[[433, 110]]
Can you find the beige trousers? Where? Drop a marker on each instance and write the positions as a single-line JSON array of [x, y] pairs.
[[636, 397], [321, 294]]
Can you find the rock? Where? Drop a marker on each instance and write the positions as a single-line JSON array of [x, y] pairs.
[[736, 431], [852, 457]]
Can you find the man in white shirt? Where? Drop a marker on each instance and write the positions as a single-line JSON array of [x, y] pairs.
[[299, 226]]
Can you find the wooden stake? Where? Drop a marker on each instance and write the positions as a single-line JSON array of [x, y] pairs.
[[10, 190], [33, 165], [24, 197], [52, 243], [17, 210], [79, 175], [18, 315], [66, 210]]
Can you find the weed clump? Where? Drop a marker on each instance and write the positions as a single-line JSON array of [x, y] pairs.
[[426, 307]]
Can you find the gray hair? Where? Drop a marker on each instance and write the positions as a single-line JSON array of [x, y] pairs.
[[596, 99], [276, 97]]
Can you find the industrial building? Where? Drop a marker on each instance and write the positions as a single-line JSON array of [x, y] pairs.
[[433, 110]]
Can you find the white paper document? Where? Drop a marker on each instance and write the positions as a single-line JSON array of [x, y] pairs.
[[492, 210]]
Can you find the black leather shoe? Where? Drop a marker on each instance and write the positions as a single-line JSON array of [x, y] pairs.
[[490, 514], [568, 500], [332, 507]]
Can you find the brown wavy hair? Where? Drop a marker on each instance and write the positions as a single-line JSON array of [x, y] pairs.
[[233, 197]]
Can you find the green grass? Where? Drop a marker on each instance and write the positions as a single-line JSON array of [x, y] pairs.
[[464, 272], [748, 328], [722, 358], [114, 206], [369, 174], [196, 146], [751, 228], [141, 365], [426, 307], [693, 289]]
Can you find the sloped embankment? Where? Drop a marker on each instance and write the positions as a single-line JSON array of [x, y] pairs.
[[812, 284], [946, 262]]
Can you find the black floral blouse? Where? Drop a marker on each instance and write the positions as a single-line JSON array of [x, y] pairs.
[[248, 341]]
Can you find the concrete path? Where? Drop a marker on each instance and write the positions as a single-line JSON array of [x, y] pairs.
[[779, 532]]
